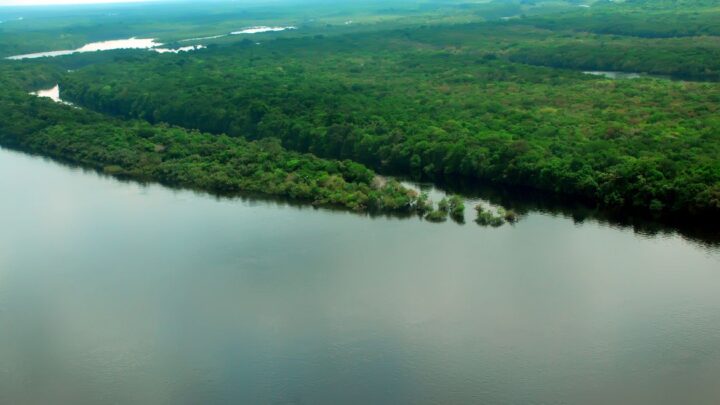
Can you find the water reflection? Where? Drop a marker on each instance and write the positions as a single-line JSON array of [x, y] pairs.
[[180, 49], [52, 93], [626, 75], [260, 29], [527, 201], [114, 292], [523, 201], [130, 43]]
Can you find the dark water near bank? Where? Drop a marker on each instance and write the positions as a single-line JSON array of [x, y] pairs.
[[113, 292]]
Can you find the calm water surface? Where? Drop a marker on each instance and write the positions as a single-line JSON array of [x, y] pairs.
[[143, 43], [52, 93], [130, 43], [261, 29], [626, 75], [114, 292]]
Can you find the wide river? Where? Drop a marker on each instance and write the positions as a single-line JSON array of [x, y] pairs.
[[114, 292]]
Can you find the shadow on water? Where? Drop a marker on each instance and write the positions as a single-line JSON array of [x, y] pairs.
[[523, 201], [526, 201]]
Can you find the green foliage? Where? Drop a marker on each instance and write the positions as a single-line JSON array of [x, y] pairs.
[[403, 102], [423, 204], [510, 216], [436, 216], [444, 205], [456, 207], [431, 101], [640, 18], [679, 58], [487, 218], [184, 158]]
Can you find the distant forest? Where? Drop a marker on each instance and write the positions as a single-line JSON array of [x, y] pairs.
[[495, 93]]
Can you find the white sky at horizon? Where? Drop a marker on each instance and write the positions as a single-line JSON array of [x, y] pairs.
[[62, 2]]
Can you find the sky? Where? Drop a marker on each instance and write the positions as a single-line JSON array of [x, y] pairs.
[[54, 2]]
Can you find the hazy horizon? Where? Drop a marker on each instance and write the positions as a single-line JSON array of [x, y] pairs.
[[9, 3], [29, 3]]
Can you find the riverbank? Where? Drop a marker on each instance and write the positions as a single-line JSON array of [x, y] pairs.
[[178, 157], [635, 145]]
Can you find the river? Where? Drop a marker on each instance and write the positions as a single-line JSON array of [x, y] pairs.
[[130, 43], [626, 75], [116, 292]]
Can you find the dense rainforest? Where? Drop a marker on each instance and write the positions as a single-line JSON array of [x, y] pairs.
[[674, 57], [638, 18], [180, 157], [502, 99], [404, 105]]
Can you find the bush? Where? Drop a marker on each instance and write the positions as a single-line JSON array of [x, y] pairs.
[[457, 208], [436, 216], [444, 205], [486, 218], [423, 204]]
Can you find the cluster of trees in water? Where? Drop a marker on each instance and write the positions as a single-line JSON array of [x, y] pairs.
[[406, 105]]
